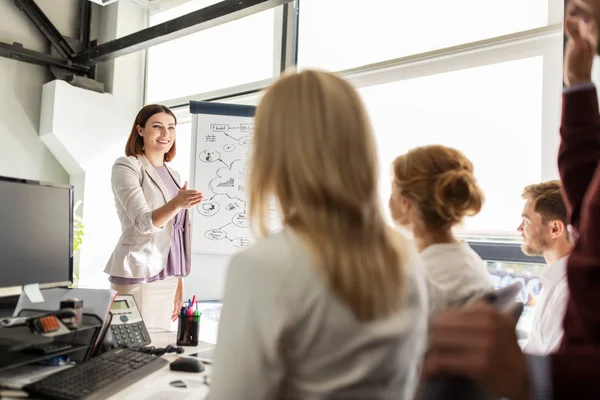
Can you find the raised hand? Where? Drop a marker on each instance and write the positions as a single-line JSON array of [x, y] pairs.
[[581, 28]]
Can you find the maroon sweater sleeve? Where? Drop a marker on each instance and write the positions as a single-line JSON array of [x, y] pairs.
[[579, 148], [576, 364], [575, 375]]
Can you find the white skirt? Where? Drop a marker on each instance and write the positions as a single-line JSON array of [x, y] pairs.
[[154, 300]]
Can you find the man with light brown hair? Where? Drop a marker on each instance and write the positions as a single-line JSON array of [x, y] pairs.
[[544, 232]]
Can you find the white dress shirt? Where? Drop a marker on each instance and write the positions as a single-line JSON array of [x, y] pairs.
[[547, 329], [455, 275], [284, 334]]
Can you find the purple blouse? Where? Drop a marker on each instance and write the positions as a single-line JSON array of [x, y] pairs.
[[175, 265]]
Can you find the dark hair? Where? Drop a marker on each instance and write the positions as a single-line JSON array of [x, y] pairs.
[[440, 181], [547, 200], [135, 143]]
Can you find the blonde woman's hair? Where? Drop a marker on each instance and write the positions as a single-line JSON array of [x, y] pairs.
[[440, 181], [313, 150]]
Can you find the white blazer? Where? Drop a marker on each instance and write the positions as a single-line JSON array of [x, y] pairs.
[[142, 249]]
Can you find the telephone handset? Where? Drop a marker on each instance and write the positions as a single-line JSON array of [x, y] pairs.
[[127, 328]]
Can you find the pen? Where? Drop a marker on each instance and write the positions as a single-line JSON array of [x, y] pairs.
[[196, 314]]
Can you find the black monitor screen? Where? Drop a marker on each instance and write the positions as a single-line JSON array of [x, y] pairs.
[[36, 233]]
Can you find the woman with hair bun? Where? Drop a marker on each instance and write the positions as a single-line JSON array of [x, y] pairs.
[[432, 191]]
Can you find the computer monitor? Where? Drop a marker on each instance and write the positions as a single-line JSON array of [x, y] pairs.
[[36, 234]]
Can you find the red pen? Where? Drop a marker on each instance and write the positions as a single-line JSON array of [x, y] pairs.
[[190, 310]]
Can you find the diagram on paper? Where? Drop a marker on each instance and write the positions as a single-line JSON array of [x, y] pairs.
[[221, 221]]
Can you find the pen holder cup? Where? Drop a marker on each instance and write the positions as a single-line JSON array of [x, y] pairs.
[[188, 330]]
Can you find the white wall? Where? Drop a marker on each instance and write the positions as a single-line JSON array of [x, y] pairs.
[[25, 155], [87, 131]]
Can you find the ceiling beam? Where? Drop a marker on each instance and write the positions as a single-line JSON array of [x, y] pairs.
[[85, 21], [17, 52], [208, 17], [39, 19]]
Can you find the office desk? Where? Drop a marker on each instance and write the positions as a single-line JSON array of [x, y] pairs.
[[156, 386]]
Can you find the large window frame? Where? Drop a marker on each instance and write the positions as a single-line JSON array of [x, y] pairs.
[[284, 55], [535, 42], [554, 15]]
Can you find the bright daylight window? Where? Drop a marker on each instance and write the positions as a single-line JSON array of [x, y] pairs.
[[181, 162], [338, 34], [503, 274], [235, 53], [342, 34], [476, 111]]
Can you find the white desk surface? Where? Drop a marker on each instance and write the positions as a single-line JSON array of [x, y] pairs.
[[156, 385]]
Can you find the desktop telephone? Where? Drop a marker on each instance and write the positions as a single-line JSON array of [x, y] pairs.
[[127, 328]]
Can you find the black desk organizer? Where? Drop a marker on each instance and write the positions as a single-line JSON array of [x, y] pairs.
[[82, 341], [188, 330]]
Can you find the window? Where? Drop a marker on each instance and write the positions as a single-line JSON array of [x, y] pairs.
[[339, 34], [181, 162], [478, 111], [166, 13], [228, 55], [503, 274]]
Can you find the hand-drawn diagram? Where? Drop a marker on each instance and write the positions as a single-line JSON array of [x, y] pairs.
[[221, 150], [222, 145]]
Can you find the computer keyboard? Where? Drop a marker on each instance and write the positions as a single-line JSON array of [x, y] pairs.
[[97, 378]]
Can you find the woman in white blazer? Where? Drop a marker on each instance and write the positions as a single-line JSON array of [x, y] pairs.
[[333, 306], [153, 253], [433, 190]]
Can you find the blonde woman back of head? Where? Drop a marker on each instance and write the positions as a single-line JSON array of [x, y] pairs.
[[433, 190], [333, 305]]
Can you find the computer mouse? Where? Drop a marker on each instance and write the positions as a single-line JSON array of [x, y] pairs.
[[187, 364]]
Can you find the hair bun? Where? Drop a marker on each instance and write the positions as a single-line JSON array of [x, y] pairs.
[[456, 195], [440, 181]]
